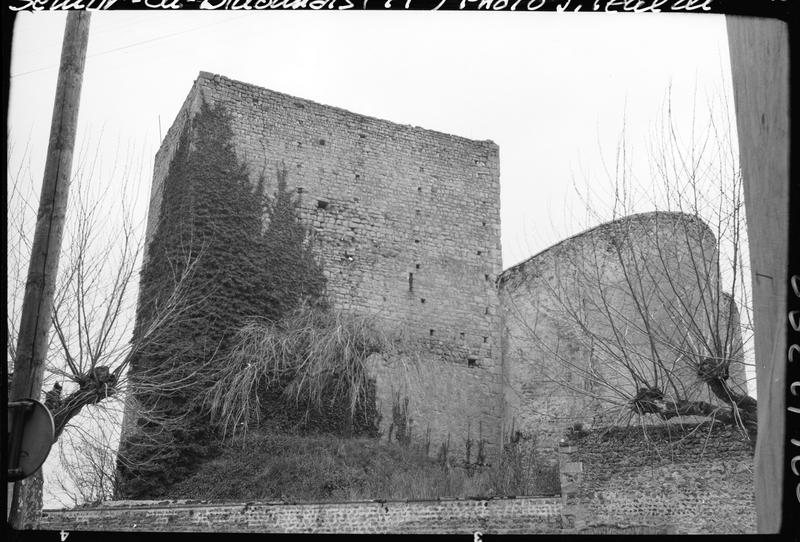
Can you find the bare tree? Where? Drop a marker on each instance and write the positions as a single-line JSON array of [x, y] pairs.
[[646, 316], [87, 457], [91, 342]]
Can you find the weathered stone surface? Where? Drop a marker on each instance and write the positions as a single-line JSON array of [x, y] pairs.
[[448, 403], [700, 484], [406, 222], [496, 516], [555, 376]]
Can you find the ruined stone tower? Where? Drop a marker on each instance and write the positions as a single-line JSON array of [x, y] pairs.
[[406, 222]]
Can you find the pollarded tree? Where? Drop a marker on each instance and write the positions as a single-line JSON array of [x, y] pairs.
[[90, 348], [646, 316]]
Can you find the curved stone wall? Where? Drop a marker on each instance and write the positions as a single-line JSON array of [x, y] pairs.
[[585, 319]]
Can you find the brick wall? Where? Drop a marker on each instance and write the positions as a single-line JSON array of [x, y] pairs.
[[500, 516], [406, 221], [612, 482], [700, 484]]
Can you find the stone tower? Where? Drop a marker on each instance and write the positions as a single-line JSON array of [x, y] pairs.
[[406, 223]]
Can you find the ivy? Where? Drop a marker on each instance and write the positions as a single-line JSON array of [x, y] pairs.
[[211, 222], [291, 272]]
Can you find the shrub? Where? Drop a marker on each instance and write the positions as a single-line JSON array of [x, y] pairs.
[[315, 359], [522, 471]]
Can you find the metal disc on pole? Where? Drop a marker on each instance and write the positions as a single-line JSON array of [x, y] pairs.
[[30, 436]]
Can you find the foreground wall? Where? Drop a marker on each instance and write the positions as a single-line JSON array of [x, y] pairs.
[[613, 482], [701, 484], [500, 516]]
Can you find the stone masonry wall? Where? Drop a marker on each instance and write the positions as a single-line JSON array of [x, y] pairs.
[[496, 516], [405, 220], [556, 373], [699, 484], [447, 403], [613, 481]]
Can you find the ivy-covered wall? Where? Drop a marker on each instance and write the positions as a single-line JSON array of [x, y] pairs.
[[404, 221], [212, 265]]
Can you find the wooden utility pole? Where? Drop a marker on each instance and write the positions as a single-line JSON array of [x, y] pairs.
[[37, 304], [759, 50]]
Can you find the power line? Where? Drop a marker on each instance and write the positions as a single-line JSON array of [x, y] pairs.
[[143, 42], [44, 45]]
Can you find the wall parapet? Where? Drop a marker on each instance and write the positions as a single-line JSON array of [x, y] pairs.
[[522, 515]]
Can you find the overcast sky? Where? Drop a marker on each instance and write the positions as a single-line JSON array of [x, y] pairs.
[[552, 90]]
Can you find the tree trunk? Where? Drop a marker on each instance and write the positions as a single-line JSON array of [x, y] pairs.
[[28, 499], [746, 406], [94, 386], [746, 413]]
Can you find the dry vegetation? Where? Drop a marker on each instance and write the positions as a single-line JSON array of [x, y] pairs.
[[317, 359], [311, 355], [277, 466]]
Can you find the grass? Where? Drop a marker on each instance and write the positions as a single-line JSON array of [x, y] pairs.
[[324, 468], [314, 362]]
